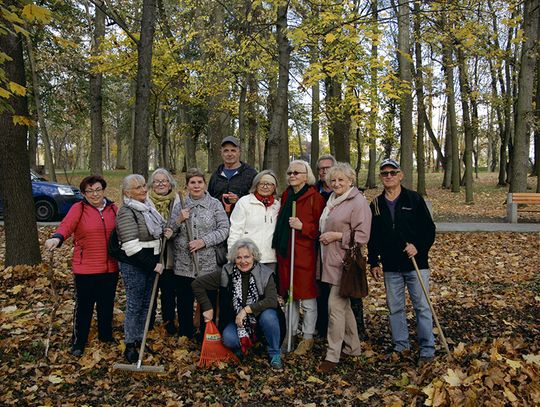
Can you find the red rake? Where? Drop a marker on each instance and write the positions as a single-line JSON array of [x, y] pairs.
[[213, 351]]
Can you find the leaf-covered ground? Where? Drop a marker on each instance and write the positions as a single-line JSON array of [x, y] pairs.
[[485, 289]]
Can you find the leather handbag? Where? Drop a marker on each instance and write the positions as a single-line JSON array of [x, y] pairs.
[[353, 282], [221, 253]]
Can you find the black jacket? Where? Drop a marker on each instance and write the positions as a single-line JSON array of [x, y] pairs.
[[412, 224], [239, 184]]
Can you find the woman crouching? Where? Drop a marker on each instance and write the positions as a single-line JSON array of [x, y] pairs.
[[248, 301]]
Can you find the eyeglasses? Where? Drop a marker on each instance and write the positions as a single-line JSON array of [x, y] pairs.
[[295, 173], [266, 184], [160, 182], [96, 191], [393, 173], [324, 169]]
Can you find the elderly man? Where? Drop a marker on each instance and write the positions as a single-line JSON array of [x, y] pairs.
[[402, 228], [233, 178], [324, 163]]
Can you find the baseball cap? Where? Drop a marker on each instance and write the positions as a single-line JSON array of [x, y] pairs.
[[232, 140], [390, 162]]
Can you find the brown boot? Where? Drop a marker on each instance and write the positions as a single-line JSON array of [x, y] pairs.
[[326, 366], [304, 347]]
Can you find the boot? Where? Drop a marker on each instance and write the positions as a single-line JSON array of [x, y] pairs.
[[131, 353]]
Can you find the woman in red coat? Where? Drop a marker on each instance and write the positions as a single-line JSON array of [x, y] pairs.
[[309, 206], [96, 273]]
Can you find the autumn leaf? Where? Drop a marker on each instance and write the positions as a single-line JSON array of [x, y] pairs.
[[532, 359], [33, 12], [452, 378], [17, 89]]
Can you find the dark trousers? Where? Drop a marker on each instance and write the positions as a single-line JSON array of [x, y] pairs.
[[185, 302], [90, 290], [167, 295], [322, 308]]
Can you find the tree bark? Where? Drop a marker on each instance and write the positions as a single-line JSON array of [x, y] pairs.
[[22, 245], [524, 112], [465, 94], [420, 154], [371, 180], [96, 101], [315, 112], [144, 83]]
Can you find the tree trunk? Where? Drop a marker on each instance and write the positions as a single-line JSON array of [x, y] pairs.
[[315, 112], [371, 180], [96, 109], [524, 108], [537, 129], [420, 154], [277, 152], [406, 100], [22, 245], [252, 122], [465, 94], [144, 82], [49, 161]]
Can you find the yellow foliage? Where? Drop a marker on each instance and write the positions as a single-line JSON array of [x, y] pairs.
[[20, 30], [34, 12], [4, 93], [17, 89], [10, 16], [23, 120]]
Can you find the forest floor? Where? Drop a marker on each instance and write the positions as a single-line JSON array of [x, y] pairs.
[[485, 288]]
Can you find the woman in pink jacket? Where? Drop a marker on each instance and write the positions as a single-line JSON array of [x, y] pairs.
[[91, 222], [346, 210]]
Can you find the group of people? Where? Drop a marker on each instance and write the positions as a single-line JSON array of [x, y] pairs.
[[182, 240]]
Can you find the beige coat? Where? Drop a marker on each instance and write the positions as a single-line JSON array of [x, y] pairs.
[[352, 214]]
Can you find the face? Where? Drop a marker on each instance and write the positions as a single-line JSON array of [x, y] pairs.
[[161, 184], [137, 190], [324, 166], [244, 260], [265, 187], [340, 183], [196, 187], [297, 175], [94, 194], [230, 154], [389, 180]]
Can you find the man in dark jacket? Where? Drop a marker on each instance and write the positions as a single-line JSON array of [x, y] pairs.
[[232, 179], [402, 228]]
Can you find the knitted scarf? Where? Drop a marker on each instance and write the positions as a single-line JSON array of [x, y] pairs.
[[162, 202], [280, 241], [246, 333], [266, 200]]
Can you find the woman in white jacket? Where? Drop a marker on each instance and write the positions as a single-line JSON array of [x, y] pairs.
[[254, 216]]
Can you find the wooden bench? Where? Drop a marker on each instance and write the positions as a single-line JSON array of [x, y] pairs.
[[521, 198]]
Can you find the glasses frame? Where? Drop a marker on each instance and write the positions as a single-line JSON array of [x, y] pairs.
[[392, 173], [295, 173], [93, 191], [161, 182], [266, 185]]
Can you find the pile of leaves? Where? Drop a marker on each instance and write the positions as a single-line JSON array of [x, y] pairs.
[[485, 290]]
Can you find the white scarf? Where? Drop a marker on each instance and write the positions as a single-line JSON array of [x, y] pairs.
[[154, 221], [333, 201]]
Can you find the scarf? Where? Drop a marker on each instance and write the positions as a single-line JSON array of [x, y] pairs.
[[266, 200], [162, 202], [333, 201], [154, 221], [246, 333], [280, 241]]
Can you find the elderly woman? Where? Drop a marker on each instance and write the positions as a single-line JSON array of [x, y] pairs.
[[204, 218], [309, 206], [161, 186], [255, 215], [96, 273], [346, 211], [248, 301], [139, 226]]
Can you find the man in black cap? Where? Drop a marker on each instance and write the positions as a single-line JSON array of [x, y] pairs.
[[402, 228], [233, 178]]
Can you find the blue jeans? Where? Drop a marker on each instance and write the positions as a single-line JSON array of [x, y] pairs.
[[269, 323], [395, 298], [138, 284]]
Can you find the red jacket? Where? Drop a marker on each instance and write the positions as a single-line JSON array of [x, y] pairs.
[[91, 230], [309, 208]]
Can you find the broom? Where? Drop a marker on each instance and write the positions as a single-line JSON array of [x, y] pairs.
[[213, 351]]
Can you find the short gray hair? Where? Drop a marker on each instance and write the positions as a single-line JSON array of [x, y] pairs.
[[128, 179], [326, 157], [172, 181], [258, 177], [246, 243], [343, 168], [310, 177]]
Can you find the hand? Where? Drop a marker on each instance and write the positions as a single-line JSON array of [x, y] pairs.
[[329, 237], [159, 268], [295, 223], [410, 249], [232, 197], [195, 245], [376, 272], [182, 216], [167, 232], [52, 243], [240, 318], [208, 315]]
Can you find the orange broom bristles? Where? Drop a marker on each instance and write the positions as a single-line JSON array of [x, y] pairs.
[[213, 350]]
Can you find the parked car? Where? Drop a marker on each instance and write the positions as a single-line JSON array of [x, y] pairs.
[[51, 200]]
